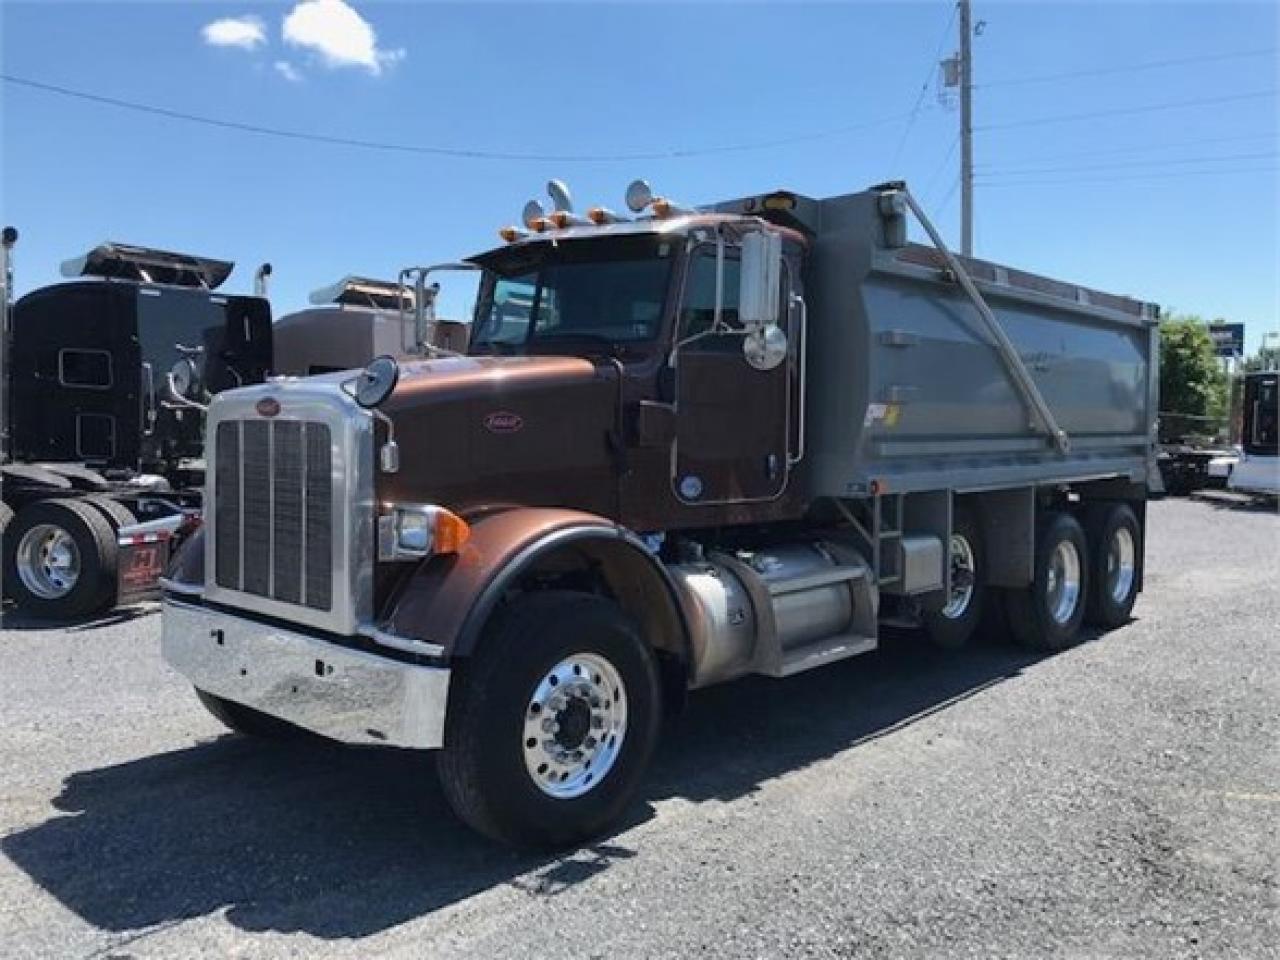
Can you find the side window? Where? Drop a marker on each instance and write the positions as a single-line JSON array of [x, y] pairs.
[[510, 309], [88, 369], [698, 311]]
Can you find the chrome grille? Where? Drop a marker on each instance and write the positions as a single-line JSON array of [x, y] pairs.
[[273, 510]]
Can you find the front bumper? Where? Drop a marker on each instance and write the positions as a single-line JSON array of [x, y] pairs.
[[346, 695]]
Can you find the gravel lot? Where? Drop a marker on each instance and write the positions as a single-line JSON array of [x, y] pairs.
[[1118, 800]]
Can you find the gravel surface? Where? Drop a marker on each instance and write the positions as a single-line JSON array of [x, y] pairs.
[[1121, 799]]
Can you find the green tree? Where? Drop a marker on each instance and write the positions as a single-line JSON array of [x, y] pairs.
[[1193, 386]]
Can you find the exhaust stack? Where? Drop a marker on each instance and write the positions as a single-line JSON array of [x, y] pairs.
[[7, 242], [260, 277]]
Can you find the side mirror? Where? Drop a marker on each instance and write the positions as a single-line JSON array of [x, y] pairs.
[[759, 289], [377, 381]]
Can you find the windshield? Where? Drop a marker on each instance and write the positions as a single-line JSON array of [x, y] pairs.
[[595, 291]]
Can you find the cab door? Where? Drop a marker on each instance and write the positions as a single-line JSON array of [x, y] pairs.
[[733, 421]]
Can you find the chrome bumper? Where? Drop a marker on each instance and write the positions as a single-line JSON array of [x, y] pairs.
[[343, 694]]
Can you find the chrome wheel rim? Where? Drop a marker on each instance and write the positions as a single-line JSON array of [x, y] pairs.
[[574, 726], [963, 570], [48, 561], [1121, 564], [1063, 582]]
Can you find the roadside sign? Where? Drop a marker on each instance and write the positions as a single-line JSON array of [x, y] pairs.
[[1228, 339]]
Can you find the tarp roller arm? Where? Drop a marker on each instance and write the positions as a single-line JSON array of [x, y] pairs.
[[1008, 353]]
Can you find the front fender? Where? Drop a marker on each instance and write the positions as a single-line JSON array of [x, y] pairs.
[[448, 600]]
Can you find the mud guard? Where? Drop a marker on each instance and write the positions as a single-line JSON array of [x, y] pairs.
[[448, 600]]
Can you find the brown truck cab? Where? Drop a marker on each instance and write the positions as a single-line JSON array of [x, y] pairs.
[[680, 448]]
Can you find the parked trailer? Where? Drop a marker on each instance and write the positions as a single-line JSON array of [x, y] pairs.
[[685, 447], [1258, 472], [105, 380]]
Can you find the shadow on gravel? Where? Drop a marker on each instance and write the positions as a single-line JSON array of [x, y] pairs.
[[11, 619], [1237, 503], [344, 843]]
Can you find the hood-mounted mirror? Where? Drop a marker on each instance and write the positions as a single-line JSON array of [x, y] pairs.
[[377, 381]]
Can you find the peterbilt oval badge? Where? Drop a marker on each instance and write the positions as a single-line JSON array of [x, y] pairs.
[[267, 407], [503, 421]]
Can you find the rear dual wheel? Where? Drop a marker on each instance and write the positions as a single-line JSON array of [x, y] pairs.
[[1047, 614], [60, 559], [953, 624], [1115, 537]]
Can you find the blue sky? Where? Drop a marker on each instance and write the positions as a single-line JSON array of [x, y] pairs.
[[1175, 205]]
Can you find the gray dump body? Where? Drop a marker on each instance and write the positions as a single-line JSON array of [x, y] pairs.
[[907, 388]]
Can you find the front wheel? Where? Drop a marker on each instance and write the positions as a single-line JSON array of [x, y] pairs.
[[552, 721]]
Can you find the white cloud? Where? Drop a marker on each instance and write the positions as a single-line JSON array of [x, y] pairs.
[[338, 34], [243, 32], [288, 71]]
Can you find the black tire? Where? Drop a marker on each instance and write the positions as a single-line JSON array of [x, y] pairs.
[[6, 515], [117, 514], [95, 543], [246, 721], [955, 630], [483, 764], [1110, 604], [1031, 620]]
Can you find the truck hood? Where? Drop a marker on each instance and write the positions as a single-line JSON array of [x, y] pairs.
[[424, 382], [484, 431]]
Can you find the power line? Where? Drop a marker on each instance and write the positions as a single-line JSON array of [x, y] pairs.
[[924, 88], [942, 165], [1029, 171], [1129, 68], [1127, 111], [1129, 178], [942, 205], [1150, 147], [436, 150]]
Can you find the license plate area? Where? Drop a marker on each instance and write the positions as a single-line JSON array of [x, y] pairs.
[[139, 569]]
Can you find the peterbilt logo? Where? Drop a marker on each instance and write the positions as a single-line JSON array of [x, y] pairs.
[[267, 407], [503, 421]]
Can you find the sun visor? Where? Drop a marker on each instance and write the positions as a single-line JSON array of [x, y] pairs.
[[122, 261]]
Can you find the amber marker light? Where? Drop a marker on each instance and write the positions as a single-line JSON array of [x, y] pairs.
[[451, 533], [512, 234]]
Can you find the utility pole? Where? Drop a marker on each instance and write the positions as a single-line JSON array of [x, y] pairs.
[[966, 130]]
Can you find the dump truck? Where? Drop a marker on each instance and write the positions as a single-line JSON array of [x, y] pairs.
[[686, 445], [103, 383]]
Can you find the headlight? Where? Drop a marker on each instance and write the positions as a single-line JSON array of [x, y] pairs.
[[412, 531]]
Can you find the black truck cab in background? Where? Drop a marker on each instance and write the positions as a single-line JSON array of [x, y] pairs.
[[106, 379], [90, 363]]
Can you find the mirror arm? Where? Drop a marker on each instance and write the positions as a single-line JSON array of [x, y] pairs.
[[802, 347], [716, 317]]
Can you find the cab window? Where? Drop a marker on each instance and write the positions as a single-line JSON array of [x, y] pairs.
[[697, 313]]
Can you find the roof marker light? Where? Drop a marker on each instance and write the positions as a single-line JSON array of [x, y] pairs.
[[563, 218], [512, 234], [602, 215]]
